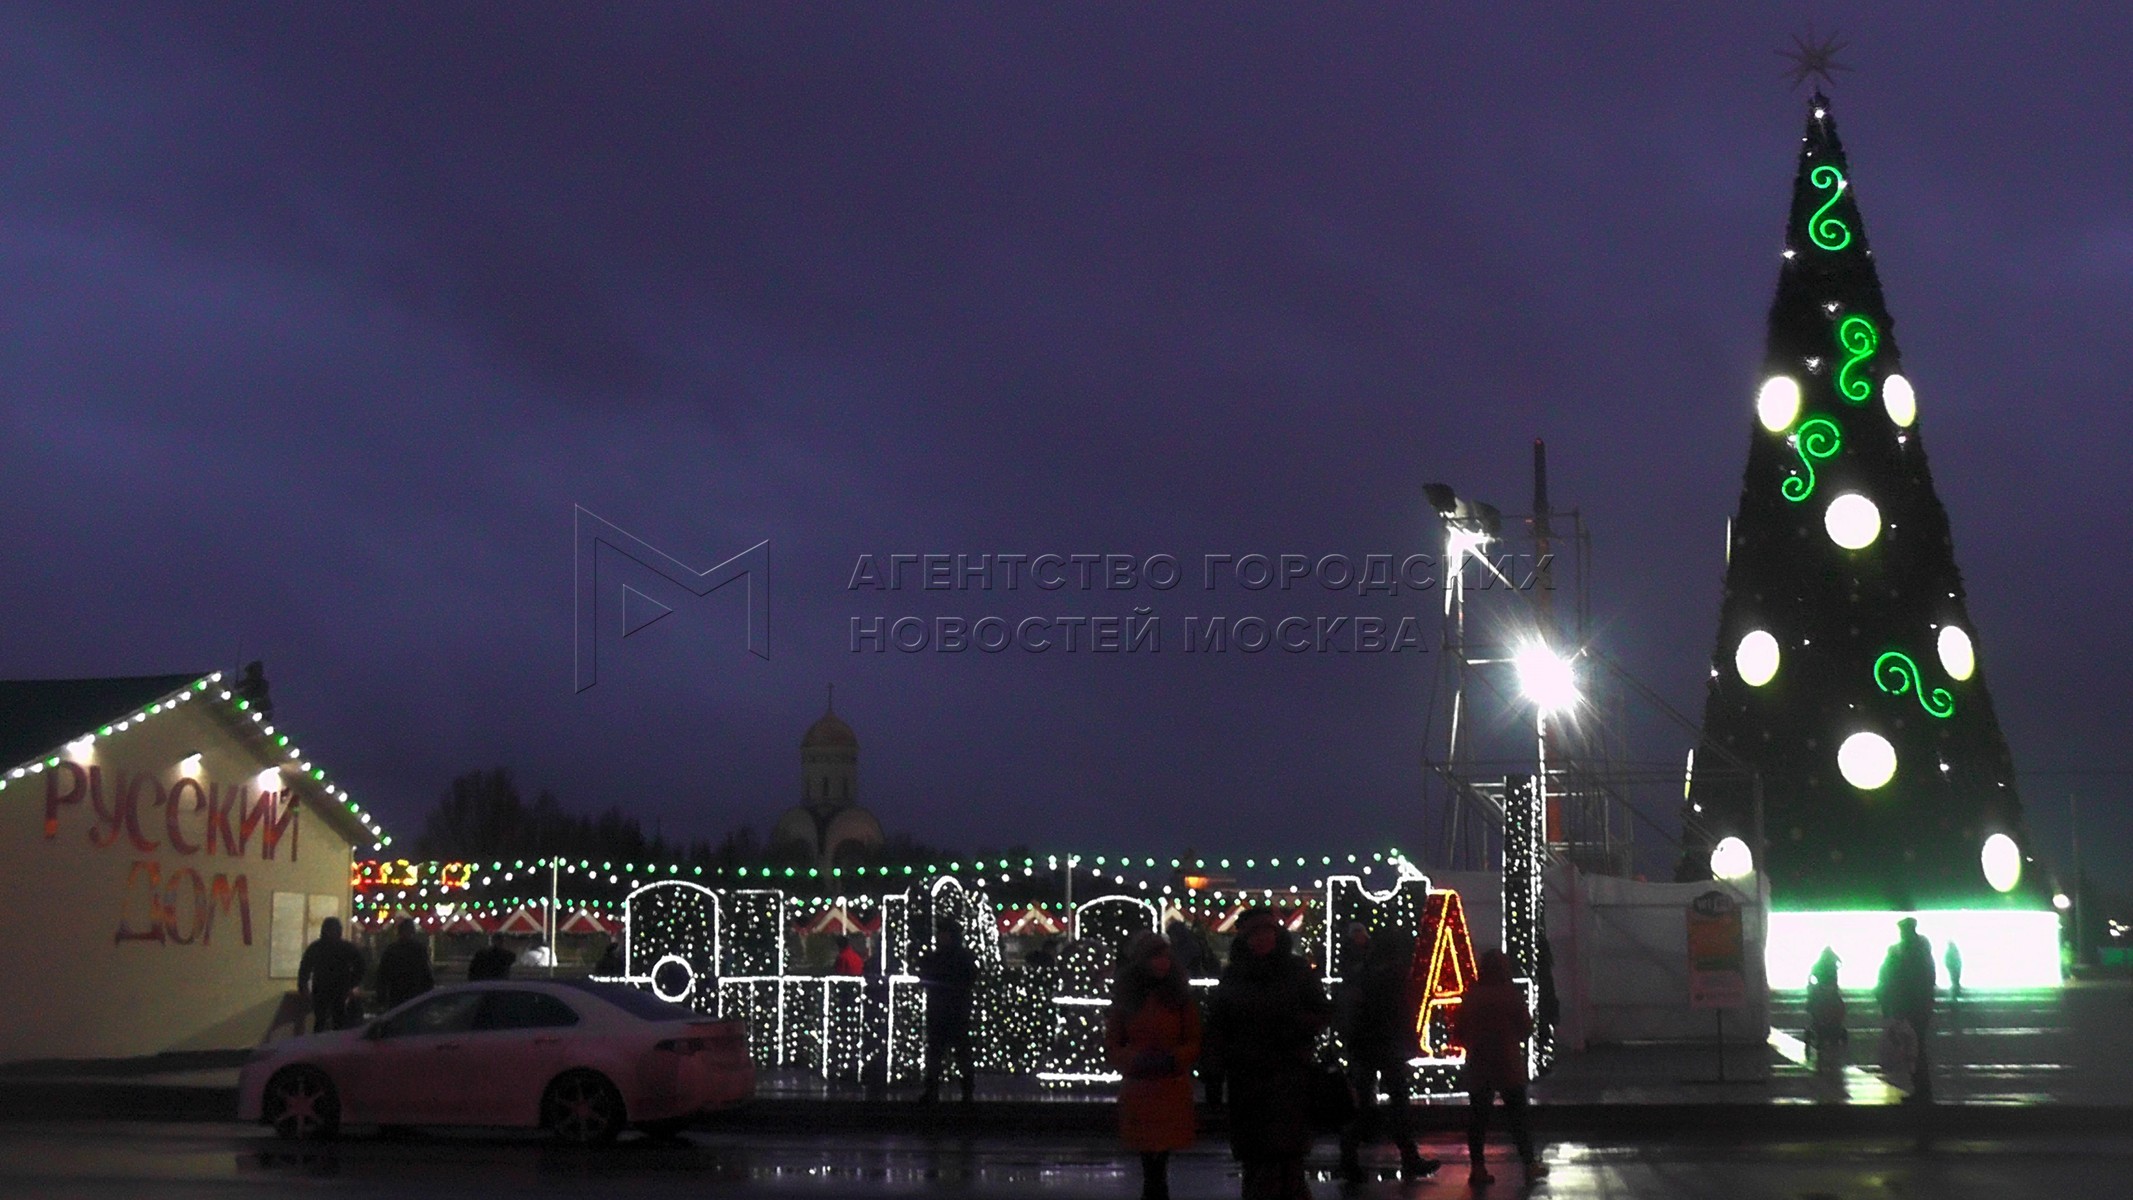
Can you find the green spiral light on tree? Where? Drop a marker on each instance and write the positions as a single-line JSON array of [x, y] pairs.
[[1817, 437], [1896, 673], [1858, 337], [1828, 232]]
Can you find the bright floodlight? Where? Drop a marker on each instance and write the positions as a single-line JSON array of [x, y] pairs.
[[2002, 860], [1731, 859], [1757, 658], [1852, 521], [1778, 403], [1957, 657], [1901, 401], [1866, 760], [1545, 678]]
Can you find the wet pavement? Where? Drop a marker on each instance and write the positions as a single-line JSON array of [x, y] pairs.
[[55, 1161]]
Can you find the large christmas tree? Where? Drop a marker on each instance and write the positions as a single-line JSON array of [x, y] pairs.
[[1847, 675]]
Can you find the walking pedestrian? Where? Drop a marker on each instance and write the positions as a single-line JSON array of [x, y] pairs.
[[1152, 1034], [949, 976], [403, 968], [1905, 990], [1374, 1013], [610, 962], [1953, 958], [1268, 1010], [1826, 1035], [1493, 1024], [493, 962], [327, 974]]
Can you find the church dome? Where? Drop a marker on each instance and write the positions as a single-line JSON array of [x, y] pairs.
[[829, 731]]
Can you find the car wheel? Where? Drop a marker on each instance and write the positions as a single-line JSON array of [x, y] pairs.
[[583, 1108], [301, 1105]]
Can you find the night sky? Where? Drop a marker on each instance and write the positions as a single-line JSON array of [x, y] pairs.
[[322, 319]]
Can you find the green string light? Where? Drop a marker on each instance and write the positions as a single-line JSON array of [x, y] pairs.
[[1896, 673]]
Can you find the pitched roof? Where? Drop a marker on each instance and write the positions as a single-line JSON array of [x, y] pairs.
[[37, 715]]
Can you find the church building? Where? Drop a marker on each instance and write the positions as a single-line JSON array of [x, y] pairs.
[[828, 822]]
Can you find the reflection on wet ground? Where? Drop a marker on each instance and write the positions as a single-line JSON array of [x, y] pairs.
[[91, 1162]]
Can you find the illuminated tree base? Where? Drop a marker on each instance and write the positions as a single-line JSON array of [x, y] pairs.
[[2001, 948]]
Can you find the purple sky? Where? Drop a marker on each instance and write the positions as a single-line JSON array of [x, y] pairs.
[[323, 318]]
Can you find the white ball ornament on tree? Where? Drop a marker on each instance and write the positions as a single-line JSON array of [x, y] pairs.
[[1866, 760], [2002, 862], [1778, 403], [1731, 859], [1756, 658], [1957, 656], [1901, 401], [1852, 521]]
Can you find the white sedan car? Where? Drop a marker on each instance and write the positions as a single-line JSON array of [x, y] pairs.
[[580, 1058]]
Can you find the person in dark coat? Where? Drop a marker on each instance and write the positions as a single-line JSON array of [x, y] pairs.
[[403, 968], [1374, 1013], [1905, 990], [494, 962], [327, 975], [950, 976], [610, 963], [1266, 1014], [1493, 1024], [1152, 1036]]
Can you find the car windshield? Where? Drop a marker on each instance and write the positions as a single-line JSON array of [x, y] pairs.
[[635, 1001]]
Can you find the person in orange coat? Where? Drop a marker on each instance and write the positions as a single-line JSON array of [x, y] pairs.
[[1153, 1037], [1493, 1024]]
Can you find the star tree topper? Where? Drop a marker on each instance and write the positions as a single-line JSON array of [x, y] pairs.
[[1814, 58]]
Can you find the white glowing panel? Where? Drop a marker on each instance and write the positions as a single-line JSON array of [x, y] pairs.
[[1756, 658], [1852, 521], [1731, 859], [1867, 760], [1901, 401], [2000, 948], [1957, 656], [2002, 862], [1778, 403]]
